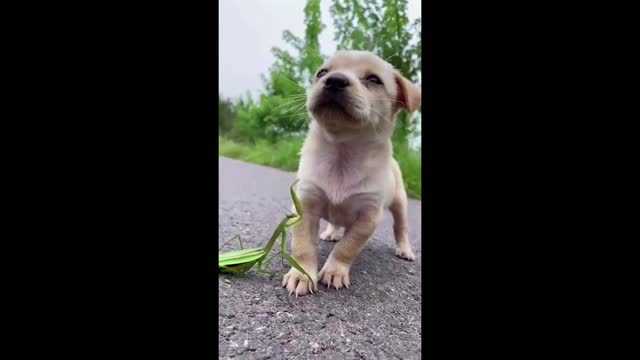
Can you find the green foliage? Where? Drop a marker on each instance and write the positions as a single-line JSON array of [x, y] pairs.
[[284, 154], [273, 117], [281, 111], [354, 21], [226, 115], [311, 58], [410, 163], [285, 76]]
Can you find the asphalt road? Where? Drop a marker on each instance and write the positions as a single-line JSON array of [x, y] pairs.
[[378, 317]]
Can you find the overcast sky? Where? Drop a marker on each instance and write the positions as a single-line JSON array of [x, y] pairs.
[[250, 28]]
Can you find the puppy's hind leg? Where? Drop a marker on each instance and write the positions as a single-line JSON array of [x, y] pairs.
[[398, 209], [401, 228], [331, 233]]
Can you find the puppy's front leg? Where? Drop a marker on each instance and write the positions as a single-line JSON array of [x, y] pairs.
[[304, 251], [335, 271]]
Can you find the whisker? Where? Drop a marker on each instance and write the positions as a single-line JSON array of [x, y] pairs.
[[387, 59], [376, 112], [290, 115], [293, 82], [359, 117], [390, 100], [300, 104], [375, 130], [403, 121], [294, 103], [375, 45], [296, 112], [316, 51], [300, 108], [283, 105], [296, 100], [302, 119], [295, 96]]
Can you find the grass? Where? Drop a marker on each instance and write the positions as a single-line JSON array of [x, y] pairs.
[[285, 155], [410, 163], [282, 155]]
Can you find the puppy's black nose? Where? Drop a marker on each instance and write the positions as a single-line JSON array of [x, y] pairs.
[[336, 82]]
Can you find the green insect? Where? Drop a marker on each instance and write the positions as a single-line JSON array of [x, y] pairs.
[[241, 261]]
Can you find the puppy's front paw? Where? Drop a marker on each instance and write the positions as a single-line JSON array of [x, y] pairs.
[[331, 234], [297, 282], [405, 252], [335, 273]]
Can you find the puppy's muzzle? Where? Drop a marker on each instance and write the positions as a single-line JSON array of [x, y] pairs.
[[336, 83], [333, 95]]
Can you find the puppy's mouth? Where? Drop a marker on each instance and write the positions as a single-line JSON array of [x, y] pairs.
[[328, 102]]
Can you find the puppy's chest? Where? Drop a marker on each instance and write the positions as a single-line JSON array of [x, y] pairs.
[[341, 175]]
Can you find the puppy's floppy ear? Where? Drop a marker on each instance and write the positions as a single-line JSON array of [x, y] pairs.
[[409, 95]]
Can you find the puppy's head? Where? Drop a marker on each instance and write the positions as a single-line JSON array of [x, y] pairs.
[[356, 91]]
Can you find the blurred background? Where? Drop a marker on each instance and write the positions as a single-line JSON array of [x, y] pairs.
[[270, 49]]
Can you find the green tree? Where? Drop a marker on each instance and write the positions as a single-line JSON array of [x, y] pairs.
[[280, 111], [311, 58], [356, 22], [226, 115]]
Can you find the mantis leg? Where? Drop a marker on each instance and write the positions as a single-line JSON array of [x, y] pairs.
[[268, 261], [284, 247], [266, 272], [239, 239]]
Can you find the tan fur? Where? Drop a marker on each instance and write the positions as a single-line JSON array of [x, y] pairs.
[[347, 173]]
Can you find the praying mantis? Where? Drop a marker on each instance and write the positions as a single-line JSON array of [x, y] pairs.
[[241, 261]]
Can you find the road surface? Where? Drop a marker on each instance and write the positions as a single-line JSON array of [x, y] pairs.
[[378, 317]]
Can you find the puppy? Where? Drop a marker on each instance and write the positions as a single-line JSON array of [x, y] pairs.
[[347, 173]]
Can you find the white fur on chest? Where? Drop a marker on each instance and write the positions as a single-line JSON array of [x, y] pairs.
[[343, 171]]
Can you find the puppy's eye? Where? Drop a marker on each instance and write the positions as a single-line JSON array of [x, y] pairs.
[[374, 79], [321, 73]]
